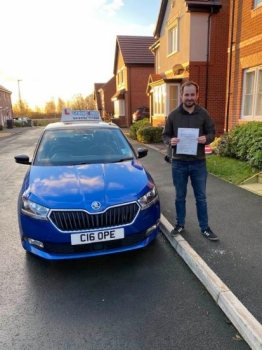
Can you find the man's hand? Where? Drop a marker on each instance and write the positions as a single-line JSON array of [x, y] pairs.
[[202, 139], [174, 141]]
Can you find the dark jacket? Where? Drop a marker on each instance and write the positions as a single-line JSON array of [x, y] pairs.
[[180, 118]]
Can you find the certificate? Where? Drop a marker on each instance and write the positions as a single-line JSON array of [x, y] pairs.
[[188, 141]]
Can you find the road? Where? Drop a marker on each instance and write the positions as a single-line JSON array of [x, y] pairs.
[[140, 300]]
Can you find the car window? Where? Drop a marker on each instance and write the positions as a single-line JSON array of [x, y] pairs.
[[82, 145]]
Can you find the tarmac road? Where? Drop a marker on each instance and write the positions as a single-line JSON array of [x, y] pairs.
[[235, 215]]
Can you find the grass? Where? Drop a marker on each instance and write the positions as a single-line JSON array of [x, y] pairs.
[[229, 169]]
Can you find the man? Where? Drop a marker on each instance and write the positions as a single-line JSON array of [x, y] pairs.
[[189, 161]]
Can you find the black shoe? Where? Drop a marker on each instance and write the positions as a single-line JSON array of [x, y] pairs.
[[208, 233], [167, 159], [177, 230]]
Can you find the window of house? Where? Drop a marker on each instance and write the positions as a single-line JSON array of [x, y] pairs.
[[257, 3], [172, 40], [119, 108], [159, 100], [252, 94], [120, 77], [173, 97], [157, 58]]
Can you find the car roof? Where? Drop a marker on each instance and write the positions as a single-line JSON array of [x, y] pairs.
[[80, 125]]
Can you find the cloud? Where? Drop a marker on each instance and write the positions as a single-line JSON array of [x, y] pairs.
[[113, 7]]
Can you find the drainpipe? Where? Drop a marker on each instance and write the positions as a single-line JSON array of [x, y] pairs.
[[230, 64], [208, 44]]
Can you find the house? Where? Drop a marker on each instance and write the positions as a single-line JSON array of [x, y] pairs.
[[97, 98], [106, 92], [6, 111], [133, 63], [190, 44], [244, 90]]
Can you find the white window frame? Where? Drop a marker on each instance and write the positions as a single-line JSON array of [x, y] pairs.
[[159, 100], [169, 97], [254, 94], [119, 108], [257, 3], [120, 77], [172, 37]]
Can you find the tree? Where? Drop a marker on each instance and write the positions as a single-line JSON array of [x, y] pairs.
[[60, 105], [21, 109], [50, 108], [90, 101], [79, 102]]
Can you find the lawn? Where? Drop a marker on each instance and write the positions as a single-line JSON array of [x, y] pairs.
[[229, 169]]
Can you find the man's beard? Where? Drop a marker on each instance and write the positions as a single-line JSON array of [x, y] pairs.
[[189, 103]]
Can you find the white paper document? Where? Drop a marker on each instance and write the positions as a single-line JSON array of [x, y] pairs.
[[188, 141]]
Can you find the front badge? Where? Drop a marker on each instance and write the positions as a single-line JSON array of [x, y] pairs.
[[96, 205]]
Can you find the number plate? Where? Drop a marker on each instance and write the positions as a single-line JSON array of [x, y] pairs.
[[97, 236]]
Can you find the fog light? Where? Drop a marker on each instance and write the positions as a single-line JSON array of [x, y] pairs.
[[35, 242], [152, 228]]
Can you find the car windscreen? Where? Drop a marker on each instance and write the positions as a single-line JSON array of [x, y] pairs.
[[82, 146]]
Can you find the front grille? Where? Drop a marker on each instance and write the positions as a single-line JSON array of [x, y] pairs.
[[79, 220], [66, 249]]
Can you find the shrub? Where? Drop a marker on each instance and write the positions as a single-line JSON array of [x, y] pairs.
[[1, 127], [243, 142], [134, 127], [149, 134]]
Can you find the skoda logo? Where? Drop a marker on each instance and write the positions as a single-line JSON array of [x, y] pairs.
[[96, 205]]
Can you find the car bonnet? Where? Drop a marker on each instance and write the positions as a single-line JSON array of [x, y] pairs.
[[78, 186]]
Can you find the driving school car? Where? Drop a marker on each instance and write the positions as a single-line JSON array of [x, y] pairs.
[[85, 192]]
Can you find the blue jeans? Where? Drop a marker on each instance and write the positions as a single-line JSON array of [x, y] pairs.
[[196, 170]]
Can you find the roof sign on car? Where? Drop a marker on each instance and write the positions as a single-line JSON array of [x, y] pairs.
[[80, 115]]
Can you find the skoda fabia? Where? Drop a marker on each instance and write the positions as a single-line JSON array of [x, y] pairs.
[[85, 192]]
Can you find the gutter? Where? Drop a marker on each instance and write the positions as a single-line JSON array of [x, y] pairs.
[[208, 46], [230, 65]]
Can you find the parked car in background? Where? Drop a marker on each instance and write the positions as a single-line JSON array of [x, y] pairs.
[[140, 113], [23, 120], [86, 193]]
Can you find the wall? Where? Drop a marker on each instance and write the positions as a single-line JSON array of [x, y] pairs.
[[246, 53], [137, 84]]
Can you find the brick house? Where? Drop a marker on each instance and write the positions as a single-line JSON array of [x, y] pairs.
[[186, 47], [133, 63], [244, 90], [6, 111], [97, 98], [106, 92]]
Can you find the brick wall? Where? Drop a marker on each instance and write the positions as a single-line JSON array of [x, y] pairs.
[[246, 53], [215, 85], [137, 79]]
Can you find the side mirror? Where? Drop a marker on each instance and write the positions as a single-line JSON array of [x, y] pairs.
[[22, 159], [142, 152]]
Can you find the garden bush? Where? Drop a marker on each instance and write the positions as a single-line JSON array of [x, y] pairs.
[[150, 134], [134, 127], [243, 142]]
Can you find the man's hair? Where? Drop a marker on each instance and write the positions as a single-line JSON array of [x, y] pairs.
[[190, 83]]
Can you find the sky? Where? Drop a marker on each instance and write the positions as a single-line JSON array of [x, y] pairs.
[[60, 48]]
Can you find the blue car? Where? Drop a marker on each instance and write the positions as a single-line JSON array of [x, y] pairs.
[[85, 192]]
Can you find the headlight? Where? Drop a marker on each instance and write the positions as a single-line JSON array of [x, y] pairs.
[[34, 210], [148, 199]]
